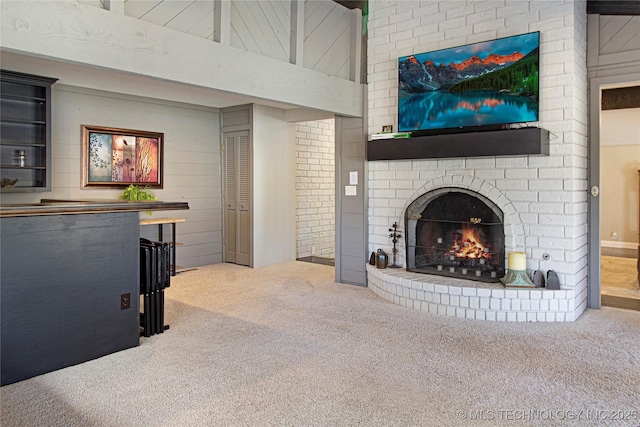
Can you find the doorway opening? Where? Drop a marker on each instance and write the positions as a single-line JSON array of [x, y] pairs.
[[620, 197], [315, 191]]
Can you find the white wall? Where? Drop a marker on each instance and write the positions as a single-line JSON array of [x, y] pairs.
[[619, 165], [191, 161], [274, 197], [547, 194], [315, 188]]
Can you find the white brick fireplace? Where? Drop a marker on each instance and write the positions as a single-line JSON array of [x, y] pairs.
[[543, 198], [468, 298]]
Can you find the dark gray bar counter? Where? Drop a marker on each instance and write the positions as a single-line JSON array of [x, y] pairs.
[[67, 270]]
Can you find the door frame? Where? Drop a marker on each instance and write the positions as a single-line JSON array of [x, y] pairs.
[[596, 85], [235, 119]]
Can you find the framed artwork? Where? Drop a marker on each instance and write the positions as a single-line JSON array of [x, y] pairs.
[[114, 157]]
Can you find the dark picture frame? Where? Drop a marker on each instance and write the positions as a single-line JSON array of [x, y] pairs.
[[113, 157]]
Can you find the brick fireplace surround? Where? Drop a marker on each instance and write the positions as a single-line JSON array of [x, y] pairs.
[[470, 300], [467, 298], [543, 198]]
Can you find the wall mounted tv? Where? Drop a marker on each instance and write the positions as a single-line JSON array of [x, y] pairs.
[[479, 86]]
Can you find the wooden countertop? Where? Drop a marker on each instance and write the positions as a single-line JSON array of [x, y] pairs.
[[152, 221], [68, 207]]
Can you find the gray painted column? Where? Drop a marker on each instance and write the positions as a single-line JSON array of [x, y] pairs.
[[351, 201]]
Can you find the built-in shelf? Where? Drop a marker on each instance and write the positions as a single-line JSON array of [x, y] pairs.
[[25, 132], [506, 142]]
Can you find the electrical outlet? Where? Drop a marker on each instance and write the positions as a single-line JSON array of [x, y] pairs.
[[125, 301], [614, 235], [313, 250]]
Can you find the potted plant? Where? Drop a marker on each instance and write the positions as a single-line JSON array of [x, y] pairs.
[[135, 193]]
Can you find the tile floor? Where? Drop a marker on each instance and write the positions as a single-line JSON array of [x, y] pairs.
[[619, 285]]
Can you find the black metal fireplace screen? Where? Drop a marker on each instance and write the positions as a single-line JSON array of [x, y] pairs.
[[457, 233]]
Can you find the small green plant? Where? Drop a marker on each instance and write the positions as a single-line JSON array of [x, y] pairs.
[[135, 193]]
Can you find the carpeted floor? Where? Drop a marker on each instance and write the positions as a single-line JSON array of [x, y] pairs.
[[286, 346]]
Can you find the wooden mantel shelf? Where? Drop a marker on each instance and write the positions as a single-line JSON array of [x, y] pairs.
[[507, 142], [66, 207]]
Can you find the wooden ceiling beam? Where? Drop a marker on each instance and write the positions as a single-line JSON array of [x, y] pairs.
[[624, 97], [613, 7], [600, 7]]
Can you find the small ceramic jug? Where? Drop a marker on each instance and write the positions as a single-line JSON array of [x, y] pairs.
[[381, 259]]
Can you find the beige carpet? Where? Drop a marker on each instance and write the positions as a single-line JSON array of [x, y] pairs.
[[286, 346], [619, 277]]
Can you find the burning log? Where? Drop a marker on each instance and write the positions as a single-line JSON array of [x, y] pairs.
[[468, 245]]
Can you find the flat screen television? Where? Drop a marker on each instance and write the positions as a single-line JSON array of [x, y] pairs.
[[479, 86]]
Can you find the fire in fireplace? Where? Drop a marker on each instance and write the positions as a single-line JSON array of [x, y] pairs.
[[455, 232]]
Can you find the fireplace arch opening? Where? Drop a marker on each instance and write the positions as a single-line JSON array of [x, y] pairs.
[[457, 233]]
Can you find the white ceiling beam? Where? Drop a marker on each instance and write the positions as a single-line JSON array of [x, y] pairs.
[[222, 22], [297, 32], [114, 6]]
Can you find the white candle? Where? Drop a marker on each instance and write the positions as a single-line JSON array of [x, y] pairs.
[[517, 261], [481, 261], [439, 239], [439, 267], [452, 269], [478, 273], [452, 258], [494, 274]]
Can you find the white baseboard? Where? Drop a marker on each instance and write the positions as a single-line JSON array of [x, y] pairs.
[[619, 245]]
